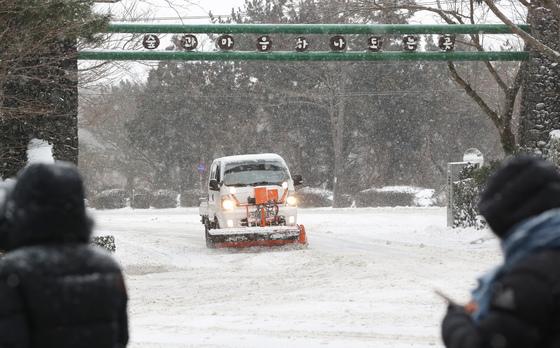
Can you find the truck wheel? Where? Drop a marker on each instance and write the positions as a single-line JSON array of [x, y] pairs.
[[209, 242]]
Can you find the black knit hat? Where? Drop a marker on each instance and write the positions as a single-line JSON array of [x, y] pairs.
[[47, 206], [523, 187]]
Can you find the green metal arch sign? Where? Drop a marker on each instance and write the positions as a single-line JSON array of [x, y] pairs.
[[302, 29]]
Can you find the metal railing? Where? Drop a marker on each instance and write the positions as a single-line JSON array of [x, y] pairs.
[[311, 28], [303, 56]]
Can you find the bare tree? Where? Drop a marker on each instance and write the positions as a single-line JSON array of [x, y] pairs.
[[106, 117], [467, 12], [530, 5]]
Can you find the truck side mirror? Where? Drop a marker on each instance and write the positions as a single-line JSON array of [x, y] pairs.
[[298, 180], [213, 184]]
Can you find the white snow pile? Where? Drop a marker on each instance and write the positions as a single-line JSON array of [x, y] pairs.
[[555, 134], [39, 151], [474, 156], [317, 191]]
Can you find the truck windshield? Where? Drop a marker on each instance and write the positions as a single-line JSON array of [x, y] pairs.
[[255, 173]]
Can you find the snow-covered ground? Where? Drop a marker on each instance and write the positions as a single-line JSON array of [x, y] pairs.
[[366, 279]]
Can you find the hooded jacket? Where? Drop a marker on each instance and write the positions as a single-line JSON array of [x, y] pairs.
[[517, 305], [522, 308], [55, 289]]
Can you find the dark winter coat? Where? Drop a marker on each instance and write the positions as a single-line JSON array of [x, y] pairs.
[[524, 311], [55, 289], [518, 304], [523, 307], [61, 296]]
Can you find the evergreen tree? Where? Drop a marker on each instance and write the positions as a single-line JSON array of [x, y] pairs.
[[38, 75]]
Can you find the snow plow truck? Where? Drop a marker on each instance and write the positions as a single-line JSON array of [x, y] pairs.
[[251, 203]]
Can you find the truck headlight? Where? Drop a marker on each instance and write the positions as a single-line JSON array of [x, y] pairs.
[[291, 200], [228, 204]]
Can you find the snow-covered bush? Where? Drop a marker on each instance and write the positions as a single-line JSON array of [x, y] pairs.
[[109, 199], [190, 198], [345, 201], [164, 199], [312, 197], [553, 148], [394, 196], [141, 199], [466, 192], [105, 242], [465, 198], [380, 197]]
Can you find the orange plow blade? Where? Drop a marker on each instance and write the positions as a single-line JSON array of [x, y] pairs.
[[269, 236]]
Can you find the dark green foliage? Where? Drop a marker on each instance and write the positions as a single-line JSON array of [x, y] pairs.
[[465, 198], [377, 198], [38, 75], [39, 38], [164, 199], [345, 201], [109, 199], [190, 198], [480, 175], [40, 21], [141, 199], [309, 197], [466, 192], [105, 242]]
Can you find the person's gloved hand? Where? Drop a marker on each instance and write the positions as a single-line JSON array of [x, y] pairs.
[[457, 325]]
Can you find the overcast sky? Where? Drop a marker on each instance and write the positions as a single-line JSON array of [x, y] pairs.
[[195, 11], [169, 11]]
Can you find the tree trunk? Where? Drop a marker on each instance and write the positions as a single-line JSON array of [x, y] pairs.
[[129, 188], [338, 139], [507, 138]]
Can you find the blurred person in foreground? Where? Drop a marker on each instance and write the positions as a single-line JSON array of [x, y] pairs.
[[518, 303], [55, 289]]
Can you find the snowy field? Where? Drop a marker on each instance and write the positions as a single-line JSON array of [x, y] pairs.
[[366, 279]]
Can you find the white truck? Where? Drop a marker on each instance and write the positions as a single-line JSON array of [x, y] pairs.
[[251, 202]]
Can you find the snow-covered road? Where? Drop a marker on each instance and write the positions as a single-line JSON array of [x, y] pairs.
[[366, 279]]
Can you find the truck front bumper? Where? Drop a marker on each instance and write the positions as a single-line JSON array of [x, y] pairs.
[[248, 216], [257, 236]]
